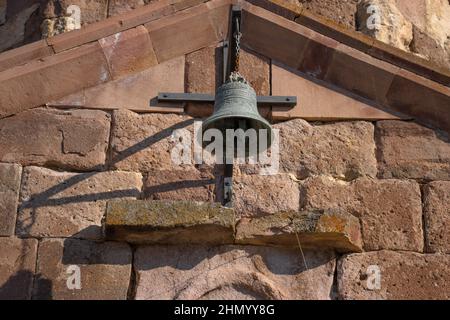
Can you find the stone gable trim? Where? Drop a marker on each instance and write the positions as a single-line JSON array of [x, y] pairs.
[[294, 37]]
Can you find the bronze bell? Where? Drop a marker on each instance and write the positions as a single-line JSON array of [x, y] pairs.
[[236, 107]]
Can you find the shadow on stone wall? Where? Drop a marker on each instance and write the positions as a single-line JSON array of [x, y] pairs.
[[17, 287]]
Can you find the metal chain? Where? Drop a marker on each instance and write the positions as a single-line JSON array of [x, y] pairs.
[[237, 37], [235, 76]]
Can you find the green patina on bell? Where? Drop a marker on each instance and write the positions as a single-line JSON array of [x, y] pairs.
[[236, 107]]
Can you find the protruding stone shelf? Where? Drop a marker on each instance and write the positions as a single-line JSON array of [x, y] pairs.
[[167, 222], [329, 229], [188, 222]]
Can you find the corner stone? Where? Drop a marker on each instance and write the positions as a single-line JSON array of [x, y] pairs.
[[169, 222], [403, 275], [409, 150], [105, 270]]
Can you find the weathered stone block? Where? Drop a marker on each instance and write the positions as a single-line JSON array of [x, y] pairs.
[[437, 216], [91, 10], [390, 211], [342, 12], [129, 51], [62, 204], [17, 266], [230, 272], [144, 142], [10, 175], [121, 6], [169, 222], [75, 139], [256, 195], [409, 150], [319, 229], [403, 276], [194, 185], [104, 268], [345, 150]]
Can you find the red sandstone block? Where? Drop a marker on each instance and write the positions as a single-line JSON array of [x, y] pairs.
[[273, 36], [51, 78], [407, 150], [24, 54], [360, 73], [17, 267], [129, 51], [76, 139], [105, 270], [421, 98], [390, 211], [437, 216], [184, 32], [402, 276]]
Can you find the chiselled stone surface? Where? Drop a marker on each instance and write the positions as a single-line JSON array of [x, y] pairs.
[[437, 216], [10, 175], [231, 272], [61, 204], [409, 150], [382, 20], [169, 222], [75, 139], [431, 28], [342, 12], [129, 51], [17, 266], [104, 270], [404, 276], [144, 142], [256, 195], [315, 229], [121, 6], [91, 10], [195, 185], [345, 150], [390, 211]]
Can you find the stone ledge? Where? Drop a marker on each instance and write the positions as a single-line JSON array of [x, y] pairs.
[[169, 222], [324, 229], [191, 222]]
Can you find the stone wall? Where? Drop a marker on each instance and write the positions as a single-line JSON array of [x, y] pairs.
[[384, 185]]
